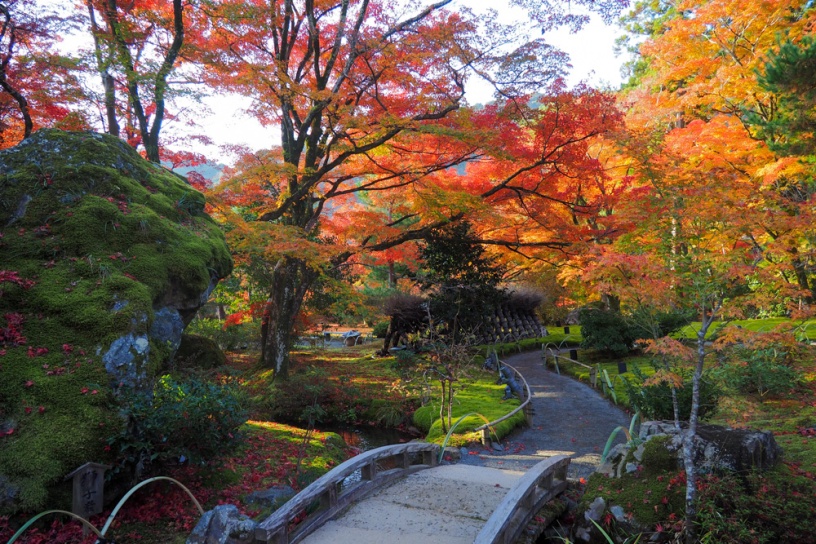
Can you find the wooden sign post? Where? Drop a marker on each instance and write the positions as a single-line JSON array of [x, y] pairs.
[[89, 484]]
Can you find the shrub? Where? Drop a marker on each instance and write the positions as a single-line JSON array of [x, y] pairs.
[[380, 329], [310, 395], [655, 401], [405, 361], [606, 331], [650, 323], [232, 337], [198, 352], [191, 418], [761, 371]]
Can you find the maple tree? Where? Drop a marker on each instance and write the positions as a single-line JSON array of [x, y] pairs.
[[704, 65], [723, 222], [40, 86], [142, 41], [685, 251], [372, 102]]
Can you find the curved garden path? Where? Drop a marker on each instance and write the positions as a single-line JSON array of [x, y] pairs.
[[569, 418]]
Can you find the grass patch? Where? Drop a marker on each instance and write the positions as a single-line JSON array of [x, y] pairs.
[[776, 324], [611, 388], [480, 395], [561, 338]]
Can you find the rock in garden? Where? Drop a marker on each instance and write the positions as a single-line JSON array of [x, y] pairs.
[[717, 447], [105, 257], [223, 525], [273, 497]]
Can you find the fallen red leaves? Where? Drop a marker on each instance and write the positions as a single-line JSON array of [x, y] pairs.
[[267, 457]]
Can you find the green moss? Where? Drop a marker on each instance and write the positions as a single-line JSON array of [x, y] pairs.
[[648, 498], [657, 458], [104, 235], [481, 396]]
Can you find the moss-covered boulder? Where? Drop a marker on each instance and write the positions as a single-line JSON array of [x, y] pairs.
[[104, 259], [198, 352]]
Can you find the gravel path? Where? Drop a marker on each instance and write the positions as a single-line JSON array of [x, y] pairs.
[[569, 418]]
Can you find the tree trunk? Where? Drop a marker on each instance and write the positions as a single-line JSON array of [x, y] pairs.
[[9, 28], [392, 334], [688, 437], [291, 279], [103, 66], [149, 134], [22, 104], [611, 302], [800, 269], [392, 276]]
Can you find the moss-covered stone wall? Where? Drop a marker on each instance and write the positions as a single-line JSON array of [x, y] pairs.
[[114, 255]]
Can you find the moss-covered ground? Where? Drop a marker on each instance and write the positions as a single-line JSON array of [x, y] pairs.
[[478, 395], [263, 455], [96, 236]]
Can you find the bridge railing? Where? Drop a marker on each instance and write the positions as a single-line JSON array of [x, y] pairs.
[[525, 405], [539, 485], [327, 495]]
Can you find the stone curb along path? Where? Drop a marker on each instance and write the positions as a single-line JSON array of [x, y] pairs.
[[569, 418]]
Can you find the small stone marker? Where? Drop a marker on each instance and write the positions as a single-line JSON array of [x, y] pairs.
[[89, 483]]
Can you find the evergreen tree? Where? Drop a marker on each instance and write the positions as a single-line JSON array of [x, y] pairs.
[[462, 280]]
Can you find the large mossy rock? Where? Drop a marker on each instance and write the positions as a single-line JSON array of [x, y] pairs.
[[120, 255], [718, 448]]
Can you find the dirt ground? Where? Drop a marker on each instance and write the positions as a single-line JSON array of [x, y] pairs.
[[569, 418]]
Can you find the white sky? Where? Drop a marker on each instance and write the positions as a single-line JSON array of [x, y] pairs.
[[590, 50]]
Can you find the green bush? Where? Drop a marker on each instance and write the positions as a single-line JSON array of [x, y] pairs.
[[380, 329], [191, 418], [606, 331], [655, 401], [198, 352], [760, 371], [405, 362], [650, 323], [240, 336]]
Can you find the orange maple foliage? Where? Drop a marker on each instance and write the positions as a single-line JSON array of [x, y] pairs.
[[373, 125], [38, 86]]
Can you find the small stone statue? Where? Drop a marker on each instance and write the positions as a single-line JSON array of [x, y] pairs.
[[513, 387], [491, 362]]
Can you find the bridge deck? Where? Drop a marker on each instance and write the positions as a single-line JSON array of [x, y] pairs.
[[445, 504]]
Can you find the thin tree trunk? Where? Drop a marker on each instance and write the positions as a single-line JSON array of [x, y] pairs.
[[442, 407], [149, 134], [22, 104], [107, 79], [688, 437], [291, 279], [611, 302], [392, 276], [800, 269]]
